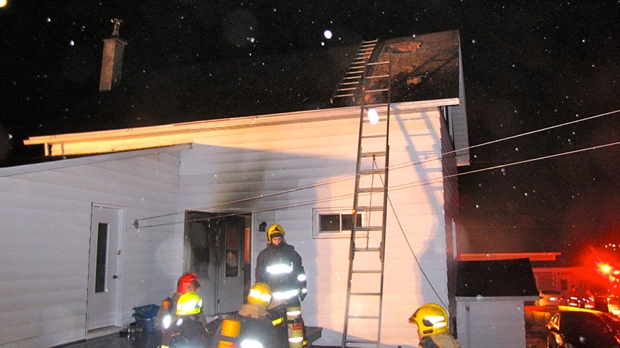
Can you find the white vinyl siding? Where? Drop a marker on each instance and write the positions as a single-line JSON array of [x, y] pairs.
[[235, 164], [491, 322], [44, 250], [46, 216]]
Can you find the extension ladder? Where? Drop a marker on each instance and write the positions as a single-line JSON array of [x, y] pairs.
[[362, 325]]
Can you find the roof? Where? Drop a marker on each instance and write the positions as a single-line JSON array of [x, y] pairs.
[[497, 278], [425, 68], [67, 162]]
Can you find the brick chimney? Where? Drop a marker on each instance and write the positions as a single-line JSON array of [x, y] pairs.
[[112, 60]]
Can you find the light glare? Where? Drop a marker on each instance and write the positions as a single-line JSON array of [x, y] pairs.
[[373, 116]]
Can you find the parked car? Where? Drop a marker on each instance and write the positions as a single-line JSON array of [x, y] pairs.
[[574, 301], [582, 328], [550, 298], [613, 304]]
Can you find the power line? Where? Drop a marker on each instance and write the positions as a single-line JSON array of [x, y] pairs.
[[509, 138], [404, 165], [398, 187]]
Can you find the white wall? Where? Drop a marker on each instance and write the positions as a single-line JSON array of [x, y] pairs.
[[238, 163], [45, 215], [497, 322]]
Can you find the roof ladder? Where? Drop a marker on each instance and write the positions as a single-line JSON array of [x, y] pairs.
[[350, 83], [362, 324]]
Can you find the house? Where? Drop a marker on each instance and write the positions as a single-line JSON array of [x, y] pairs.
[[122, 211]]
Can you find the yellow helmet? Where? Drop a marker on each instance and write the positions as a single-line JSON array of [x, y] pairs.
[[260, 294], [431, 319], [274, 231], [189, 303]]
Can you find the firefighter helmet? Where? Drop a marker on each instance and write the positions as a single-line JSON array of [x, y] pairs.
[[431, 319], [185, 281], [189, 303], [275, 230], [260, 294]]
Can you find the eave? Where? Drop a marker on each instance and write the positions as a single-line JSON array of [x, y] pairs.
[[184, 133]]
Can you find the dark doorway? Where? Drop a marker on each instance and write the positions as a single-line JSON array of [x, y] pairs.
[[217, 248]]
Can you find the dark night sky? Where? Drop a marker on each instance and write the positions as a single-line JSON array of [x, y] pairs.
[[528, 65]]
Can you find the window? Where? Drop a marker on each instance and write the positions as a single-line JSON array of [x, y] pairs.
[[102, 253], [333, 223]]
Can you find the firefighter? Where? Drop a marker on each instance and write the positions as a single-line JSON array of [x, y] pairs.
[[186, 331], [280, 266], [187, 282], [433, 330], [253, 325]]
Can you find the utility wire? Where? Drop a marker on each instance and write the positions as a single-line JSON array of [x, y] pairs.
[[401, 165], [415, 257], [316, 201], [294, 189], [507, 138], [397, 187], [400, 187]]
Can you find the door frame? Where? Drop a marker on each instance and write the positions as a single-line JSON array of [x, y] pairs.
[[118, 282], [211, 288]]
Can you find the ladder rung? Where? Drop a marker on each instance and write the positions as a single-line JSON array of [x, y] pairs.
[[376, 90], [369, 228], [344, 95], [371, 154], [367, 271], [370, 189], [347, 89], [381, 118], [357, 343], [364, 317], [378, 63], [367, 249], [373, 136], [371, 171], [366, 293], [368, 106], [377, 76], [365, 208]]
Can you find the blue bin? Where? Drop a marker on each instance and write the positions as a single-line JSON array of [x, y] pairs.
[[148, 311], [145, 317], [146, 324]]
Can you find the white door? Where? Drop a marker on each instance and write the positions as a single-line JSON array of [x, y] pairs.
[[231, 275], [104, 234]]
